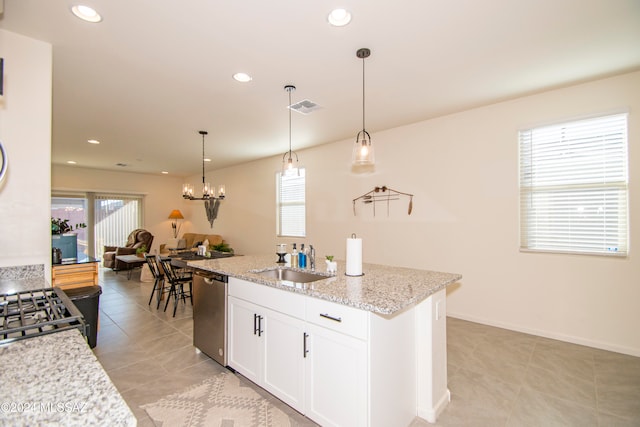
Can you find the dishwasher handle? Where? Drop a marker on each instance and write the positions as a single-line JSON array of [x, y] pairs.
[[210, 277]]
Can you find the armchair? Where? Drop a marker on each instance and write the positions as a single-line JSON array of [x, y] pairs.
[[136, 239]]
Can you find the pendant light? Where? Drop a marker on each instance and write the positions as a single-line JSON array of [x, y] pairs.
[[363, 150], [288, 166], [208, 191]]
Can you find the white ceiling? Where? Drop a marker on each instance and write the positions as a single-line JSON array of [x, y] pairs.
[[153, 73]]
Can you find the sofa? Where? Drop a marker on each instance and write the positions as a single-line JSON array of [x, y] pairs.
[[192, 240], [136, 239]]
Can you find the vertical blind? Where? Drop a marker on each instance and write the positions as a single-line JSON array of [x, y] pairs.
[[574, 187], [116, 216], [290, 203]]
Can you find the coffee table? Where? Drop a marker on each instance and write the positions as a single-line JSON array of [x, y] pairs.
[[132, 261]]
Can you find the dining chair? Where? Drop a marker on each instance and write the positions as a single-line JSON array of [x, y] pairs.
[[177, 280], [159, 284]]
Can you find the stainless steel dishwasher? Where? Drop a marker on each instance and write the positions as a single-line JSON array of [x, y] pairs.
[[210, 314]]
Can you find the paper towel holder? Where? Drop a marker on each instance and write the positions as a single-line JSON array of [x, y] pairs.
[[353, 236]]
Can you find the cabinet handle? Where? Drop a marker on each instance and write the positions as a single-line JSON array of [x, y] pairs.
[[304, 344], [260, 331], [335, 319], [255, 324]]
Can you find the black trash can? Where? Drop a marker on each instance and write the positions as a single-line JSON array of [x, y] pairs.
[[87, 300]]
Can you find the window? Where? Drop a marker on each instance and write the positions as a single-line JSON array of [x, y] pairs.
[[574, 186], [290, 204], [75, 210], [115, 217]]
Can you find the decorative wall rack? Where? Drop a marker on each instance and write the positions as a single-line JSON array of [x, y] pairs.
[[382, 194]]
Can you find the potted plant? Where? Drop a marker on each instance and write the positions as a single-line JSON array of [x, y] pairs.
[[61, 226], [332, 266], [221, 247], [141, 251], [62, 237]]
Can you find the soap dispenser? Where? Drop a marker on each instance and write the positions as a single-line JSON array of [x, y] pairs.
[[302, 257], [294, 257]]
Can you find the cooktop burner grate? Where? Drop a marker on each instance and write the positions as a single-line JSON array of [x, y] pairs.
[[28, 314]]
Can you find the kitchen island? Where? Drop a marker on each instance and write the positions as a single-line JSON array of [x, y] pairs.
[[55, 379], [356, 351]]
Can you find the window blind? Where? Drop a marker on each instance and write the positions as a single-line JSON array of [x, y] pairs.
[[291, 210], [574, 187], [116, 216]]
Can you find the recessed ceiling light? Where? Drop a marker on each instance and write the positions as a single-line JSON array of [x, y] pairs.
[[165, 173], [242, 77], [71, 162], [93, 141], [207, 160], [86, 13], [339, 17]]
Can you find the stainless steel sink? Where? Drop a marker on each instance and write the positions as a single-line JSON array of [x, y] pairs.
[[286, 274]]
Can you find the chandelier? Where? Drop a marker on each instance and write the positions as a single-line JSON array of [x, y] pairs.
[[211, 201]]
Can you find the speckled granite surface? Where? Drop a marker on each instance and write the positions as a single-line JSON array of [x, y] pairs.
[[22, 271], [11, 286], [383, 289], [56, 380]]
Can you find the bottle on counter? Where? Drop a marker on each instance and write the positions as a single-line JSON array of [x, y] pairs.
[[294, 257], [312, 258], [302, 257]]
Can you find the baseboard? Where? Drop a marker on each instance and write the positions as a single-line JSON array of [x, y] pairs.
[[432, 414], [546, 334]]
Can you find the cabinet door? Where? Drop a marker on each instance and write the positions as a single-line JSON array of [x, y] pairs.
[[244, 333], [283, 372], [336, 378]]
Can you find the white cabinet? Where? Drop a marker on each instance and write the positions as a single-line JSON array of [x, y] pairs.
[[266, 346], [244, 349], [338, 365], [336, 378], [284, 358]]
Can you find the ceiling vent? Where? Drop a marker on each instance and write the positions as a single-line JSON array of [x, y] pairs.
[[122, 165], [305, 107]]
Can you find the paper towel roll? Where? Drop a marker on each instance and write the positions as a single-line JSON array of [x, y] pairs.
[[354, 256]]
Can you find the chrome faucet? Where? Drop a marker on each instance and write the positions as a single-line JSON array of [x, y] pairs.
[[312, 258]]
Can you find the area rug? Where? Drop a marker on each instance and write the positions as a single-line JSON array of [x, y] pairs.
[[218, 401]]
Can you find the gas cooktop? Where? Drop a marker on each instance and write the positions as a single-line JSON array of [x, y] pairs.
[[33, 313]]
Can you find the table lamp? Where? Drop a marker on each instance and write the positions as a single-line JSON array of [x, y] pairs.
[[175, 243]]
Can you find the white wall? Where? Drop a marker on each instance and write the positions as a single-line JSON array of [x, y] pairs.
[[25, 130], [163, 193], [463, 171]]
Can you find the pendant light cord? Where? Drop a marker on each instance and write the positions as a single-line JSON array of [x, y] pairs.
[[363, 114], [289, 107], [203, 134]]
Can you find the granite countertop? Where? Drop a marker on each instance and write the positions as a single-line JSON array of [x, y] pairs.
[[56, 380], [11, 286], [382, 289]]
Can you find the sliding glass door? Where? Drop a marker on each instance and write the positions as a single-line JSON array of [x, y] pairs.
[[110, 218]]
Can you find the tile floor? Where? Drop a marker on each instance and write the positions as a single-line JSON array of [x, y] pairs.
[[496, 377]]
